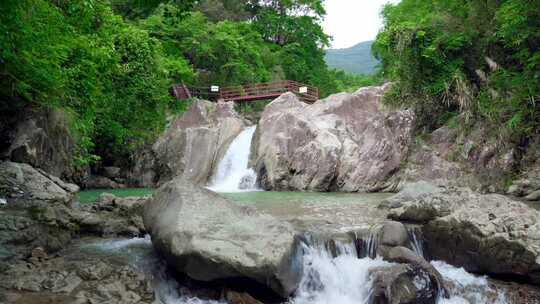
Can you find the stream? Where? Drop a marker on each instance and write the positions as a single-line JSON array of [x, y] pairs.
[[339, 276]]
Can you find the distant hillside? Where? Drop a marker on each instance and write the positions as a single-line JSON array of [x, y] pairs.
[[356, 59]]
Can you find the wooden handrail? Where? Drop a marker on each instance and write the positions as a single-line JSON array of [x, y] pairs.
[[250, 92]]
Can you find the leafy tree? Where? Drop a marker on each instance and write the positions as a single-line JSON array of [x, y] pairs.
[[480, 58]]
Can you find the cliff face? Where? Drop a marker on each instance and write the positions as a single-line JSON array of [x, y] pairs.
[[347, 142], [40, 138], [352, 142]]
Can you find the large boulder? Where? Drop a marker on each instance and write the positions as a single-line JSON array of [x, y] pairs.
[[40, 138], [190, 147], [208, 238], [490, 234], [347, 142], [24, 185]]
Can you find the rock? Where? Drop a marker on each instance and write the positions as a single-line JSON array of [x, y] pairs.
[[23, 185], [404, 255], [207, 237], [393, 234], [42, 139], [38, 256], [111, 172], [346, 142], [490, 234], [533, 196], [234, 297], [3, 201], [101, 182], [402, 284], [409, 192], [191, 146]]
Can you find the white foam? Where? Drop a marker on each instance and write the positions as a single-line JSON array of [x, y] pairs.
[[233, 169], [3, 201]]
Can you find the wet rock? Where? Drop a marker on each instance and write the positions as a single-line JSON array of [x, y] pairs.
[[112, 172], [101, 182], [346, 142], [409, 192], [393, 234], [490, 234], [23, 185], [533, 196], [208, 237], [190, 147], [76, 279], [234, 297], [402, 284]]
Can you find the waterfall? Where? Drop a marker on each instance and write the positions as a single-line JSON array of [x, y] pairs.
[[233, 173], [340, 273]]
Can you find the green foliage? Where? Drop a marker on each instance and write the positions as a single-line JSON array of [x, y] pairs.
[[80, 56], [109, 64], [480, 58]]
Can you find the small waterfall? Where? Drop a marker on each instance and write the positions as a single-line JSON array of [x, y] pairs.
[[416, 241], [233, 173], [339, 272], [328, 278]]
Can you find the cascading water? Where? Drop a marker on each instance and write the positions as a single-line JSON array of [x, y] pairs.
[[341, 274], [233, 173]]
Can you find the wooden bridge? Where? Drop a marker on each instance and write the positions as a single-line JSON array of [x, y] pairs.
[[246, 93]]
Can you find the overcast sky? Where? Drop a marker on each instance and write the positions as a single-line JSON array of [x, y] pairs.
[[353, 21]]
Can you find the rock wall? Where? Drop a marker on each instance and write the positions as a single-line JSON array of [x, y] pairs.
[[347, 142], [40, 138], [190, 147]]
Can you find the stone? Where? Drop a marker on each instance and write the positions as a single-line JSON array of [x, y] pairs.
[[393, 234], [38, 256], [23, 185], [533, 196], [484, 233], [208, 238], [409, 192], [234, 297], [42, 139], [101, 182], [111, 172], [346, 142], [402, 284], [191, 146]]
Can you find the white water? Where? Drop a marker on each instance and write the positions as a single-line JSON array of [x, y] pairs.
[[345, 279], [233, 173]]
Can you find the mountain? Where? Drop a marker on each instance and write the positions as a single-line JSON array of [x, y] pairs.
[[356, 59]]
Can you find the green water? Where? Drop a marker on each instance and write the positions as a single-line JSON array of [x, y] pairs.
[[90, 196]]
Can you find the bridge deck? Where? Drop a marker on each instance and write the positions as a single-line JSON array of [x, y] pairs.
[[246, 93]]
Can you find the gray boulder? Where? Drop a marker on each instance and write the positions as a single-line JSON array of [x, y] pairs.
[[402, 284], [409, 192], [490, 234], [41, 139], [24, 185], [190, 147], [207, 237], [346, 142]]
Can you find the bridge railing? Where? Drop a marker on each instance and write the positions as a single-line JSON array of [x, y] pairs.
[[268, 90]]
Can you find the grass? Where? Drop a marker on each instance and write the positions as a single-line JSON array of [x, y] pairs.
[[90, 196]]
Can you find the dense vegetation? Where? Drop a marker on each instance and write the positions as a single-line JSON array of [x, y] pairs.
[[109, 63], [476, 59]]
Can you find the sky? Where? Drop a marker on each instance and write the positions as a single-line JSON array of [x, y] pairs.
[[353, 21]]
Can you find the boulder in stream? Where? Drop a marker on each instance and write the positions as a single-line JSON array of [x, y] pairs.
[[490, 234], [210, 238], [346, 142]]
